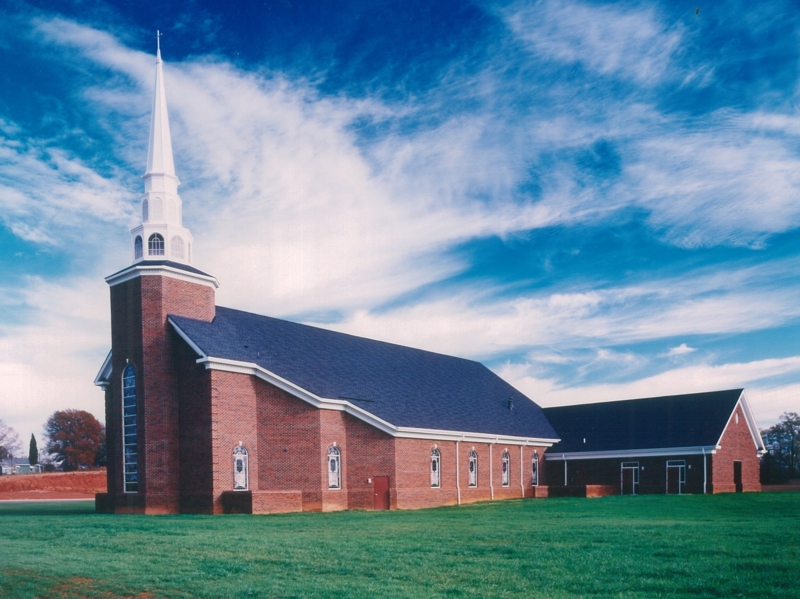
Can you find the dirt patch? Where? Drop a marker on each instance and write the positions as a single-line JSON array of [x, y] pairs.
[[84, 483], [32, 495]]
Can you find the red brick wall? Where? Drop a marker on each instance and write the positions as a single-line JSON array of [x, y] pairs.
[[736, 445], [139, 330], [370, 453], [234, 420], [288, 435], [333, 430]]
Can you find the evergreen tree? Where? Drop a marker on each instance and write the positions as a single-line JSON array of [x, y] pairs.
[[33, 452]]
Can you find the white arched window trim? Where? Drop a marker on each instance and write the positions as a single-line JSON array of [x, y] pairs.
[[473, 469], [176, 248], [137, 247], [436, 469], [155, 245], [334, 468], [241, 475]]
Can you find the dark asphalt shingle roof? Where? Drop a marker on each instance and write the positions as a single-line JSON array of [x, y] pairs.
[[401, 385], [693, 420]]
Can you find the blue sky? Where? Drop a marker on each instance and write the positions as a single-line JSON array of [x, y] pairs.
[[598, 200]]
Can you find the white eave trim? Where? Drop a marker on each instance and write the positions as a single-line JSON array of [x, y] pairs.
[[752, 426], [142, 269], [103, 377], [631, 453], [342, 405]]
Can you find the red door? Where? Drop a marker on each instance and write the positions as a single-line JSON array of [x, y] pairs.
[[380, 492]]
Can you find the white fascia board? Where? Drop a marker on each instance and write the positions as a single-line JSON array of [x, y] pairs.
[[751, 424], [186, 338], [141, 269], [631, 453], [103, 377], [341, 405]]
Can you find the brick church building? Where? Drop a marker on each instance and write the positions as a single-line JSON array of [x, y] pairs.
[[214, 410]]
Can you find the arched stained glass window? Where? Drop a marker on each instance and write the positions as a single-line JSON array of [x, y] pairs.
[[535, 469], [334, 468], [240, 477], [137, 247], [155, 245], [436, 474], [177, 247], [473, 469], [130, 461], [504, 470]]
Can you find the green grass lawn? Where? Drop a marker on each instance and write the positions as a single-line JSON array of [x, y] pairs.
[[649, 546]]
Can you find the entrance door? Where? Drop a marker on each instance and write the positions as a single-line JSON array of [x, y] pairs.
[[380, 492], [737, 476], [676, 477], [629, 478]]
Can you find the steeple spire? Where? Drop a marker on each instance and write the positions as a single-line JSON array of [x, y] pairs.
[[159, 151], [161, 236]]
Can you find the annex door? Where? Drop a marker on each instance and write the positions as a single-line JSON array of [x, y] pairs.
[[737, 476], [380, 492], [676, 477], [629, 478]]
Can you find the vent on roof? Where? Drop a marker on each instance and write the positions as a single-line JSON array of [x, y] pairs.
[[510, 403]]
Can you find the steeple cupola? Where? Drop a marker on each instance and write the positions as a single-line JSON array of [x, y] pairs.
[[161, 236]]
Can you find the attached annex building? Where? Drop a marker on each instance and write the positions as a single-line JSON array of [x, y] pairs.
[[212, 410], [694, 443]]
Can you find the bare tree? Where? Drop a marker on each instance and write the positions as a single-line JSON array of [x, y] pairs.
[[9, 442]]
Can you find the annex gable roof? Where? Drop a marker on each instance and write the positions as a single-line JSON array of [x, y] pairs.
[[693, 422], [402, 387]]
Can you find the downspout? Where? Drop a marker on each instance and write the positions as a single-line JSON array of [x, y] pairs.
[[564, 457], [491, 481], [705, 470], [458, 476], [521, 474]]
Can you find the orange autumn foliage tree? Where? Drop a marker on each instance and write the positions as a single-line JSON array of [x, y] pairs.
[[74, 436]]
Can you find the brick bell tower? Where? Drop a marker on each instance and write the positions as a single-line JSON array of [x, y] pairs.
[[139, 374]]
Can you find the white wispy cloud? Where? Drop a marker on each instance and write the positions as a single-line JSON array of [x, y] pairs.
[[681, 350], [619, 39]]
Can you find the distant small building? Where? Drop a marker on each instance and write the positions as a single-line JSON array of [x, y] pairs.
[[19, 466], [695, 443]]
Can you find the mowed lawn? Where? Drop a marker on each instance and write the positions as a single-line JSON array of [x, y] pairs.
[[649, 546]]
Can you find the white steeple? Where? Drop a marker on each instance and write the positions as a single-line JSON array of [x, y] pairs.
[[161, 236]]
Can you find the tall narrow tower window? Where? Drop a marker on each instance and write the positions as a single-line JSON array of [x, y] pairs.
[[177, 247], [155, 245], [137, 248], [130, 461], [145, 211]]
